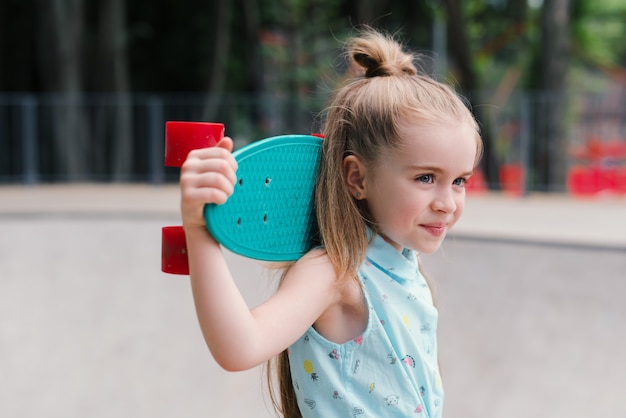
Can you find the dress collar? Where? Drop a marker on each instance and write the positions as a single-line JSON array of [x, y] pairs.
[[400, 266]]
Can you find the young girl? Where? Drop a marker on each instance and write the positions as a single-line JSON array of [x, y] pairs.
[[352, 321]]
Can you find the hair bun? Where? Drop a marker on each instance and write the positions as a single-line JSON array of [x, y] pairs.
[[380, 55]]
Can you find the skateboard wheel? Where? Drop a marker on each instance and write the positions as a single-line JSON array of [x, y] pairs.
[[182, 137], [174, 250]]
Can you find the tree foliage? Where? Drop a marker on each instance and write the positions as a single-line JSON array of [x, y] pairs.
[[195, 45], [287, 49]]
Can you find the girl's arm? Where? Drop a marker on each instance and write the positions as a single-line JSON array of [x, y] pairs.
[[240, 338]]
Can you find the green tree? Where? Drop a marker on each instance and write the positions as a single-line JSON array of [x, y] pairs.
[[281, 55], [598, 31]]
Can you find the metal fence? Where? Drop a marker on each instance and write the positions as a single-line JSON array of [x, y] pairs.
[[539, 141], [120, 137], [108, 137]]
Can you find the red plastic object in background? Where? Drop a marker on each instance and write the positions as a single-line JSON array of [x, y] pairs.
[[512, 179], [618, 180], [182, 137], [591, 181], [477, 183], [583, 181]]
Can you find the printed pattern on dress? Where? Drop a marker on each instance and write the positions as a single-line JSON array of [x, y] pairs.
[[390, 370]]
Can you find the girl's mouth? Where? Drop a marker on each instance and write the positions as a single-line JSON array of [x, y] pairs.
[[436, 230]]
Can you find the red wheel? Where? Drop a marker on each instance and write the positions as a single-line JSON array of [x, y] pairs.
[[174, 250], [182, 137]]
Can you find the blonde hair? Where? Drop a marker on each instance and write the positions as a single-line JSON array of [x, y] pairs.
[[364, 117]]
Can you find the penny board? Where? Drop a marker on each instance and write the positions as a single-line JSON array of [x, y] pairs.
[[270, 215]]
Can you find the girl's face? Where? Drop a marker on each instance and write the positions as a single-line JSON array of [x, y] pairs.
[[417, 193]]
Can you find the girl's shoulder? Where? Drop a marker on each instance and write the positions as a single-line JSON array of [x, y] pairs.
[[344, 315], [314, 273], [315, 263]]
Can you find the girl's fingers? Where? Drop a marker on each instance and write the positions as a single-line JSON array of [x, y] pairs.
[[207, 184], [204, 195], [209, 175], [223, 150], [218, 159], [209, 180], [200, 166], [226, 143]]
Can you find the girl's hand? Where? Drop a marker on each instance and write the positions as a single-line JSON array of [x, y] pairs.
[[207, 176]]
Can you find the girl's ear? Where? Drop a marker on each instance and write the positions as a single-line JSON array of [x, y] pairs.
[[354, 173]]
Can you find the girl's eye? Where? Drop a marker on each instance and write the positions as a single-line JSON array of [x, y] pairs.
[[460, 182], [425, 178]]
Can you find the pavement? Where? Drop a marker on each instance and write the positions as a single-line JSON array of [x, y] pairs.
[[530, 292]]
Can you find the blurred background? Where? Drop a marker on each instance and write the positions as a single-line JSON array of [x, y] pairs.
[[530, 284], [86, 86]]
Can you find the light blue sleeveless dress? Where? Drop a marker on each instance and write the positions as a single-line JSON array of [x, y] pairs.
[[389, 371]]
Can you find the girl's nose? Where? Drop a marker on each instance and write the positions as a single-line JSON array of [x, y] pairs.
[[444, 201]]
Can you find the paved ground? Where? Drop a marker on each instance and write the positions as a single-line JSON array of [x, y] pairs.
[[530, 293]]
